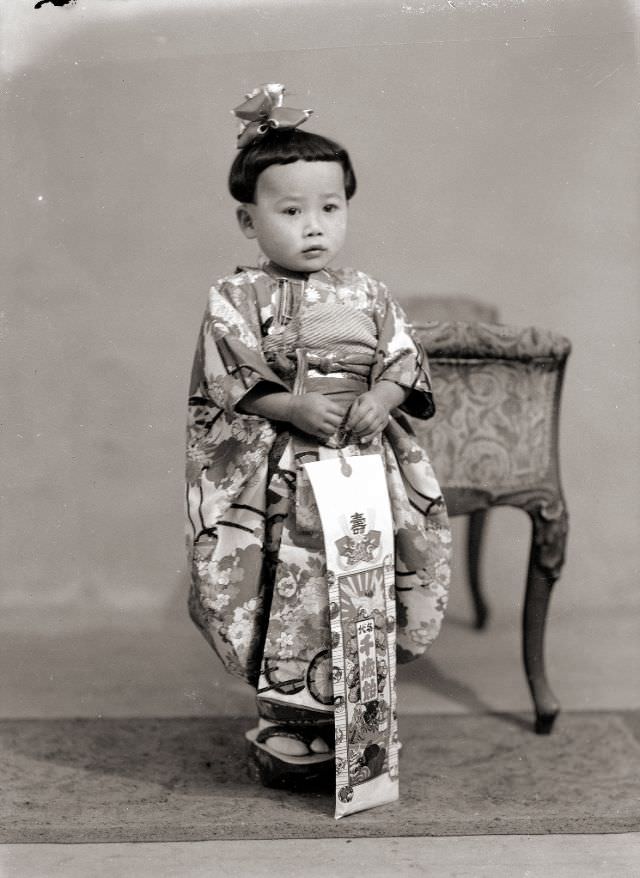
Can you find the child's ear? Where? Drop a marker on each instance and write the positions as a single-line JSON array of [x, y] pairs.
[[245, 221]]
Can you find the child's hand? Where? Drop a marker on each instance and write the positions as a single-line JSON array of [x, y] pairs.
[[368, 416], [316, 414]]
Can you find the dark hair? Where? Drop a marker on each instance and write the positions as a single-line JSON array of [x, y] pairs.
[[283, 146]]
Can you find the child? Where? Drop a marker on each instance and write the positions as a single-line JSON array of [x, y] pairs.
[[298, 362]]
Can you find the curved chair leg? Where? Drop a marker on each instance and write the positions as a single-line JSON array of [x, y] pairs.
[[550, 524], [477, 521]]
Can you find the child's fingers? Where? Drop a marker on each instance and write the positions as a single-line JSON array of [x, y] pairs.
[[371, 425], [328, 425], [362, 428], [328, 429], [333, 422], [371, 434], [354, 414], [367, 421], [334, 409]]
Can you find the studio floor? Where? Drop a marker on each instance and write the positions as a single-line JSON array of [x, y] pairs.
[[118, 667]]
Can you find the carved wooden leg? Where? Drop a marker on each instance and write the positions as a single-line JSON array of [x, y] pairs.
[[476, 525], [550, 524]]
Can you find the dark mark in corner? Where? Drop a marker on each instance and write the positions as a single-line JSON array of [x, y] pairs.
[[54, 2]]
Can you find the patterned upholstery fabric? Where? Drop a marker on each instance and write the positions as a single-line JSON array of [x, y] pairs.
[[464, 340], [495, 388]]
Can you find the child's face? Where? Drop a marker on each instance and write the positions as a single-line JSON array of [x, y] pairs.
[[300, 214]]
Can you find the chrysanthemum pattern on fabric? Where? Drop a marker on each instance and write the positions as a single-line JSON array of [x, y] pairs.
[[259, 588]]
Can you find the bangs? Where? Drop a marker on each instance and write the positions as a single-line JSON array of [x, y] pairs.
[[283, 147]]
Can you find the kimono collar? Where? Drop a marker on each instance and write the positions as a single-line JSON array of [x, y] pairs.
[[276, 271]]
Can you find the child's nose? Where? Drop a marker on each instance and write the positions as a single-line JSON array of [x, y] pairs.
[[313, 225]]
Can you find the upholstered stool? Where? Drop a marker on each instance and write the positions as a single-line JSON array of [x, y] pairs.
[[494, 441]]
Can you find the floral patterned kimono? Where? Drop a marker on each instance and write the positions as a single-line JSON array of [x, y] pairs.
[[260, 590]]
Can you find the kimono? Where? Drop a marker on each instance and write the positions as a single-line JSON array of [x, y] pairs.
[[259, 579]]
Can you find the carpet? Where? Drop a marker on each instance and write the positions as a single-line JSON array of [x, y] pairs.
[[120, 780]]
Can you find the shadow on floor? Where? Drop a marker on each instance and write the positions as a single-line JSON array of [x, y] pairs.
[[435, 680]]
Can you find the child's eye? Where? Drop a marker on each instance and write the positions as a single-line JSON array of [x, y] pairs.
[[290, 211], [329, 208]]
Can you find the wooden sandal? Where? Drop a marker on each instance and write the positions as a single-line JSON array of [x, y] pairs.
[[311, 772]]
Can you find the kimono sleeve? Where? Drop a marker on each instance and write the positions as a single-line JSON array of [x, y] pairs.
[[400, 357], [225, 448]]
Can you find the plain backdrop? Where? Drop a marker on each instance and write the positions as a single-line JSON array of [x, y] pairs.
[[496, 155]]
